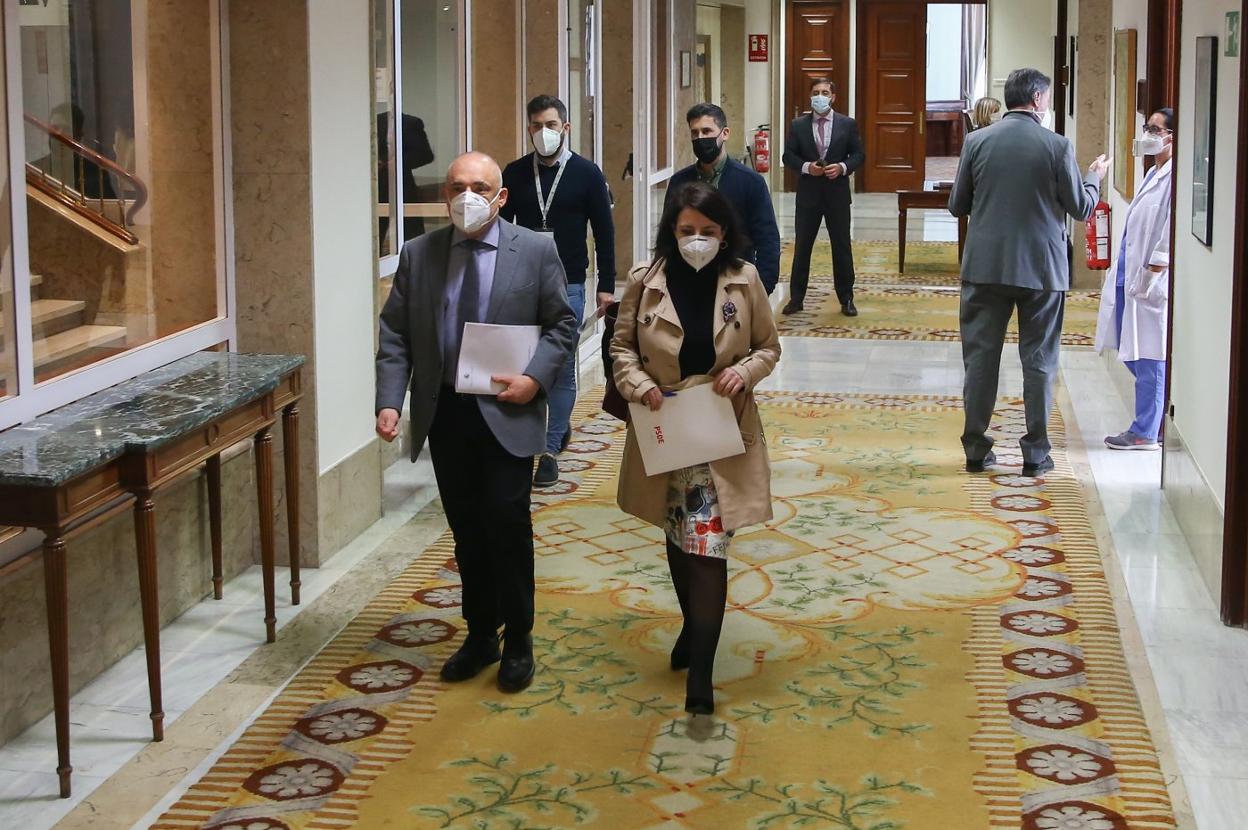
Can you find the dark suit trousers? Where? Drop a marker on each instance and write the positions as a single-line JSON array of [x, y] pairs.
[[985, 315], [485, 494], [832, 210]]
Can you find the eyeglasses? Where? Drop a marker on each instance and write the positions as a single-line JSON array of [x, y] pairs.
[[1153, 129]]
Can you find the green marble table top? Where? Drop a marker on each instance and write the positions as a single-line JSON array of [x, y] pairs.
[[136, 415]]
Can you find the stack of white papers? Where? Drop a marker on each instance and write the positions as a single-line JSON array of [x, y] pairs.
[[488, 350], [694, 426]]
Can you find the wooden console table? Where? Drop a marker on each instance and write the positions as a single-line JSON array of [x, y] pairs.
[[73, 468], [923, 200]]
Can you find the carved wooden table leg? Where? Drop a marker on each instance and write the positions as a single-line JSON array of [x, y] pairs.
[[214, 522], [56, 588], [145, 543], [290, 455], [264, 499]]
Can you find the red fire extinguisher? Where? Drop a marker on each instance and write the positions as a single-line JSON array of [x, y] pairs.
[[762, 148], [1098, 237]]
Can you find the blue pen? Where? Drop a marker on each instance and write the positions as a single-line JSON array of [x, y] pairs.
[[669, 394]]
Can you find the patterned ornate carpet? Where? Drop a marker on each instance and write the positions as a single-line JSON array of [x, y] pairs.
[[916, 313], [907, 648], [875, 262]]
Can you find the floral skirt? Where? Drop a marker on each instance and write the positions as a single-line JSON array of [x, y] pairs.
[[694, 522]]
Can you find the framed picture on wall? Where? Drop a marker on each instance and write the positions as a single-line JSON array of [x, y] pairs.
[[1232, 34], [686, 69], [1203, 149], [1124, 110]]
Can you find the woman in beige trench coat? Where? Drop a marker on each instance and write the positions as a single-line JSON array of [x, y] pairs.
[[697, 314]]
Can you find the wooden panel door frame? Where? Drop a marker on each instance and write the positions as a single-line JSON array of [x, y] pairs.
[[863, 97], [860, 67], [1235, 530], [795, 97]]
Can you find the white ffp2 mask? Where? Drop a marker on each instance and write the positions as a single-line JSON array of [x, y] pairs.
[[547, 141], [1147, 145], [470, 212], [699, 251]]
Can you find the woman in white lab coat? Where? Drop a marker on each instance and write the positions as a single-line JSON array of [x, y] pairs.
[[1135, 298]]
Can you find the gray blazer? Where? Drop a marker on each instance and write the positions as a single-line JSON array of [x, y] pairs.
[[1018, 182], [529, 289]]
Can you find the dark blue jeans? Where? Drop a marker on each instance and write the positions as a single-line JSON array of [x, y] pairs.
[[563, 395]]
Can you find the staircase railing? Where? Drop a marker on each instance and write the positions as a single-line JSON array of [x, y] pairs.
[[74, 197]]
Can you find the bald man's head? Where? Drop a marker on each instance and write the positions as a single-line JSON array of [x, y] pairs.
[[473, 169], [476, 173]]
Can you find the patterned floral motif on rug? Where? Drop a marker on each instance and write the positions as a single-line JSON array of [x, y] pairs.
[[906, 647]]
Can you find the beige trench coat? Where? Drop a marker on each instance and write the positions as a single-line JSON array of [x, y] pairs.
[[646, 354]]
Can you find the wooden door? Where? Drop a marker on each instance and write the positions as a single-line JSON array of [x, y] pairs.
[[818, 46], [893, 63]]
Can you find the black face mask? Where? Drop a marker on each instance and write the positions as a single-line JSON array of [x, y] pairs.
[[706, 149]]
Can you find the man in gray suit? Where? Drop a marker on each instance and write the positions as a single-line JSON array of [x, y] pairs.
[[489, 271], [1018, 182]]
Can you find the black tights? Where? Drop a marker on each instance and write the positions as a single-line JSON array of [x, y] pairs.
[[701, 584]]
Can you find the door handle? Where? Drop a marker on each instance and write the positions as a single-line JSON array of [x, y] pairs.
[[922, 122]]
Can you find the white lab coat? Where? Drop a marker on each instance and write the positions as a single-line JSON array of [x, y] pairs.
[[1147, 293]]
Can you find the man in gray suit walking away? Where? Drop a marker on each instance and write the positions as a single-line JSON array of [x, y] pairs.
[[1018, 182], [481, 270]]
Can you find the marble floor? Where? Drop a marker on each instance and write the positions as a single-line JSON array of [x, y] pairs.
[[1191, 671]]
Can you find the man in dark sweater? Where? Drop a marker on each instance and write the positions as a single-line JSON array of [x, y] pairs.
[[744, 189], [553, 190]]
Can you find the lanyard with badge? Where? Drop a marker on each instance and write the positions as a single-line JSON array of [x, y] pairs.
[[544, 204]]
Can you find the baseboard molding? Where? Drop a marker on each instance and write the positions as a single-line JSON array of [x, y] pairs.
[[349, 496], [1196, 507]]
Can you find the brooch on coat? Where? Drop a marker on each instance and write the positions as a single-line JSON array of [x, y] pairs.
[[730, 311]]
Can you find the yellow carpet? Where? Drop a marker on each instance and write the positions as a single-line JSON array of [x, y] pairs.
[[916, 313], [907, 648], [875, 262]]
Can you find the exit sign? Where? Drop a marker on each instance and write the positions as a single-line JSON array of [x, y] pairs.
[[758, 48]]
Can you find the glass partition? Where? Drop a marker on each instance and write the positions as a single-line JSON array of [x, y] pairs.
[[122, 152], [8, 327], [387, 145], [414, 149]]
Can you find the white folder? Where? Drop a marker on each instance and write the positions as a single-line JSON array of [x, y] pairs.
[[693, 426], [488, 350]]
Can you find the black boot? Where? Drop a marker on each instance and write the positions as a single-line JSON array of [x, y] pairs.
[[678, 567], [708, 595]]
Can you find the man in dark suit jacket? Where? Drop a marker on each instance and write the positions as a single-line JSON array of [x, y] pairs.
[[744, 189], [824, 148], [485, 270], [417, 152]]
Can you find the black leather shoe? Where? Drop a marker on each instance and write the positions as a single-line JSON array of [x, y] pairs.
[[989, 460], [680, 653], [1033, 470], [849, 309], [516, 671], [793, 307], [547, 474], [473, 656]]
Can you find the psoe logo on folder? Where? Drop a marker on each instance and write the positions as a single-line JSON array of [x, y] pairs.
[[658, 434]]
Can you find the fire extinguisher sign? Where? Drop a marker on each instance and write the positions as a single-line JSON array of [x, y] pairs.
[[758, 48]]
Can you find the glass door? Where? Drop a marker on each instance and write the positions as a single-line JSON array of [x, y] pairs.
[[653, 126]]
